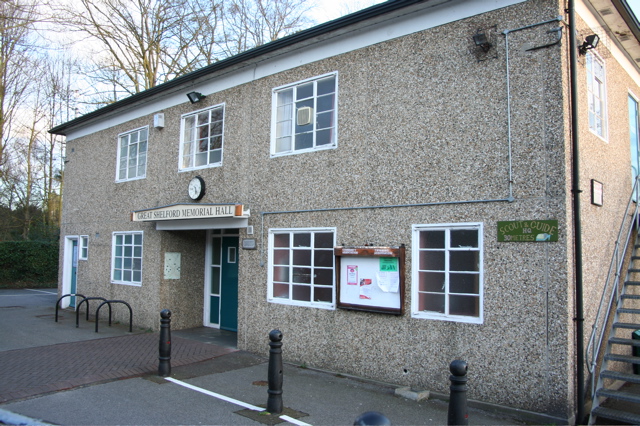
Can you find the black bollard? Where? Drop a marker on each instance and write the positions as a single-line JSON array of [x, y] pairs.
[[458, 398], [372, 418], [164, 367], [274, 403]]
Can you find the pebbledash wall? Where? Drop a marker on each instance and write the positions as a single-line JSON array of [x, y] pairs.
[[434, 141]]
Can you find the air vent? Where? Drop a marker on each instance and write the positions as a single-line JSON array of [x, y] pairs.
[[305, 115], [605, 12]]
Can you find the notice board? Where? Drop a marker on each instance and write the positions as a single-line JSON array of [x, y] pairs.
[[371, 278]]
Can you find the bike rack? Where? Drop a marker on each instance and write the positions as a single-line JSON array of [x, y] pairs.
[[86, 299], [68, 295], [109, 302]]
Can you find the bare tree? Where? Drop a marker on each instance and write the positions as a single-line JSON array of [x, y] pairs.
[[142, 43], [251, 23], [17, 18]]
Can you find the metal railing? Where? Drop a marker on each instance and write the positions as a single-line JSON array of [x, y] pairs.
[[612, 283]]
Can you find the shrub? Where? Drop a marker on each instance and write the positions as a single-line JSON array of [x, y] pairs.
[[28, 261]]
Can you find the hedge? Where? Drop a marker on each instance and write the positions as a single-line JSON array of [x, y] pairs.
[[28, 261]]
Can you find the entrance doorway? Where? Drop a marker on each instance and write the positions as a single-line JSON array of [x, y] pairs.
[[70, 271], [221, 280]]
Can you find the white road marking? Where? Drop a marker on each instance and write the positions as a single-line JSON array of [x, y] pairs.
[[233, 401], [215, 395]]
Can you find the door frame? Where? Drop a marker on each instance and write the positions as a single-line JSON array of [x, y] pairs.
[[67, 267], [207, 275]]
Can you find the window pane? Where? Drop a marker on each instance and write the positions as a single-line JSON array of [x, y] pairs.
[[302, 240], [215, 280], [137, 276], [302, 257], [281, 273], [283, 145], [324, 137], [324, 120], [464, 283], [323, 276], [285, 97], [326, 85], [325, 103], [281, 257], [464, 238], [323, 294], [301, 292], [215, 253], [281, 291], [304, 141], [304, 91], [215, 156], [431, 302], [463, 261], [323, 240], [432, 239], [323, 258], [432, 260], [432, 281], [301, 275], [281, 240], [464, 305]]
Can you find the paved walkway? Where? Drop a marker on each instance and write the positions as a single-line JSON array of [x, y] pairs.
[[46, 367], [33, 371]]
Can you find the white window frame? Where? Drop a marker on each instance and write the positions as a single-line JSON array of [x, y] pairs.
[[597, 96], [290, 301], [133, 256], [83, 243], [137, 158], [194, 142], [415, 276], [279, 121]]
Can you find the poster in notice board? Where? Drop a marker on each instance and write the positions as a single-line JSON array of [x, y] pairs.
[[371, 278]]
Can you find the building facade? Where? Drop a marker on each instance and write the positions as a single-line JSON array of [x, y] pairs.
[[392, 190]]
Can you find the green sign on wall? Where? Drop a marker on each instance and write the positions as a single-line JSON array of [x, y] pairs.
[[528, 231]]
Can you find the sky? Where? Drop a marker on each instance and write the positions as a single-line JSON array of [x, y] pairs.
[[327, 10]]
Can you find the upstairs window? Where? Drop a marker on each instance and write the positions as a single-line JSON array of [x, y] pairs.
[[202, 138], [132, 154], [304, 116], [447, 272], [597, 95]]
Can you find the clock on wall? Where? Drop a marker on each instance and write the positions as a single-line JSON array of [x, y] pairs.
[[196, 188]]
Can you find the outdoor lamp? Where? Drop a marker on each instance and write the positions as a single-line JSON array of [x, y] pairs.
[[590, 42], [195, 97], [480, 39]]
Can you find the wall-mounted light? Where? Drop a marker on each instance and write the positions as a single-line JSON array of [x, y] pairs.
[[195, 97], [590, 42], [481, 40]]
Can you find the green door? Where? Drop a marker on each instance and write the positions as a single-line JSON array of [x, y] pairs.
[[223, 281], [74, 273]]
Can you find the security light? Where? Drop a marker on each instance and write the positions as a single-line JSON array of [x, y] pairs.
[[480, 39], [590, 42], [195, 97]]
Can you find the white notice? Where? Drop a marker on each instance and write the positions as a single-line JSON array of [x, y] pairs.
[[389, 282]]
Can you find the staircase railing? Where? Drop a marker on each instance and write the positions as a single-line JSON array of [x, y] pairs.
[[612, 283]]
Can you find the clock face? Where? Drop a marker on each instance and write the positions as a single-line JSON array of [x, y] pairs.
[[196, 188]]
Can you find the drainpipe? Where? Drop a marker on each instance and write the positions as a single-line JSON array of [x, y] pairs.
[[577, 227]]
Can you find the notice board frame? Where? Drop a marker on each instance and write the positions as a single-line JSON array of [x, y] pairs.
[[393, 303]]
